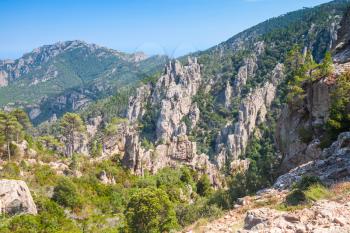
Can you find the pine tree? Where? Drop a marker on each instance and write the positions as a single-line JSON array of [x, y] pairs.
[[10, 128], [71, 125], [326, 67]]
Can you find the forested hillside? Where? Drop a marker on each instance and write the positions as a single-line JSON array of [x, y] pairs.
[[66, 76]]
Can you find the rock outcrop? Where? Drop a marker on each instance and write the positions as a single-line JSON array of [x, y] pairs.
[[15, 198], [332, 166], [170, 100], [233, 139], [300, 128], [173, 93], [324, 216]]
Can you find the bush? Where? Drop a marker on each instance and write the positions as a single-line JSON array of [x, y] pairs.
[[296, 197], [204, 186], [188, 214], [24, 224], [150, 210], [316, 192], [308, 181], [222, 199], [45, 175], [10, 170], [305, 135], [309, 189], [66, 194]]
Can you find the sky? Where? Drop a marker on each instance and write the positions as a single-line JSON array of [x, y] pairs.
[[171, 27]]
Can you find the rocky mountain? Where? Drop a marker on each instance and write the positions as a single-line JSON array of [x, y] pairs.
[[219, 101], [256, 127], [65, 76]]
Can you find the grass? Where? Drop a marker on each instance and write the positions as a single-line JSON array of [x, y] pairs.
[[299, 199], [317, 192]]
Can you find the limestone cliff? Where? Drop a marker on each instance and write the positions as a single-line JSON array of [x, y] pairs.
[[233, 139], [170, 99]]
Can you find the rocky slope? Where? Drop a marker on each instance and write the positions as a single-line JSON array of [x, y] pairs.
[[248, 214], [65, 76]]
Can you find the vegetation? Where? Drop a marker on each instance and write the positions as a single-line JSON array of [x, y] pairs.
[[71, 127], [306, 191], [150, 210], [339, 120]]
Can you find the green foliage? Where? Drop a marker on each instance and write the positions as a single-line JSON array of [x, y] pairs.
[[189, 213], [45, 175], [66, 194], [339, 119], [307, 181], [326, 67], [10, 130], [307, 190], [71, 124], [10, 171], [204, 186], [296, 197], [305, 134], [302, 69], [51, 219], [150, 210]]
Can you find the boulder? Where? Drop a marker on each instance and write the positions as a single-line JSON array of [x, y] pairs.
[[15, 198]]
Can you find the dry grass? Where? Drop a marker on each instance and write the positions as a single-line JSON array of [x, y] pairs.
[[341, 191]]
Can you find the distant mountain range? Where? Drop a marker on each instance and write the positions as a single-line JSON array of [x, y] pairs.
[[65, 76]]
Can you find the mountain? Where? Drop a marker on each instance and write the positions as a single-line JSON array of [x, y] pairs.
[[67, 75], [256, 127]]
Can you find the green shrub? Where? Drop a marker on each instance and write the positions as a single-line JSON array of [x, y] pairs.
[[305, 135], [307, 181], [44, 175], [296, 197], [189, 213], [10, 171], [316, 192], [66, 194], [204, 186], [150, 210], [25, 224], [222, 199]]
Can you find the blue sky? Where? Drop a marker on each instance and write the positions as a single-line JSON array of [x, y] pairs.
[[172, 27]]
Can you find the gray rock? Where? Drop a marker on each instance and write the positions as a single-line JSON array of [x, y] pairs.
[[332, 168], [15, 198]]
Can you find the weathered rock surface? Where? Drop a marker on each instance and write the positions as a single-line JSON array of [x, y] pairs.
[[171, 99], [15, 198], [173, 93], [232, 141], [332, 166], [324, 216]]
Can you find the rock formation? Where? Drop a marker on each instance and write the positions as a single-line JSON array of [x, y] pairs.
[[15, 198], [233, 139], [324, 216], [171, 100], [333, 165]]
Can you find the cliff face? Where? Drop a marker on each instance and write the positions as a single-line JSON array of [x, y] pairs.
[[233, 139], [301, 126], [170, 100]]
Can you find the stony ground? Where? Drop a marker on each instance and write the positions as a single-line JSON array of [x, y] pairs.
[[259, 214]]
